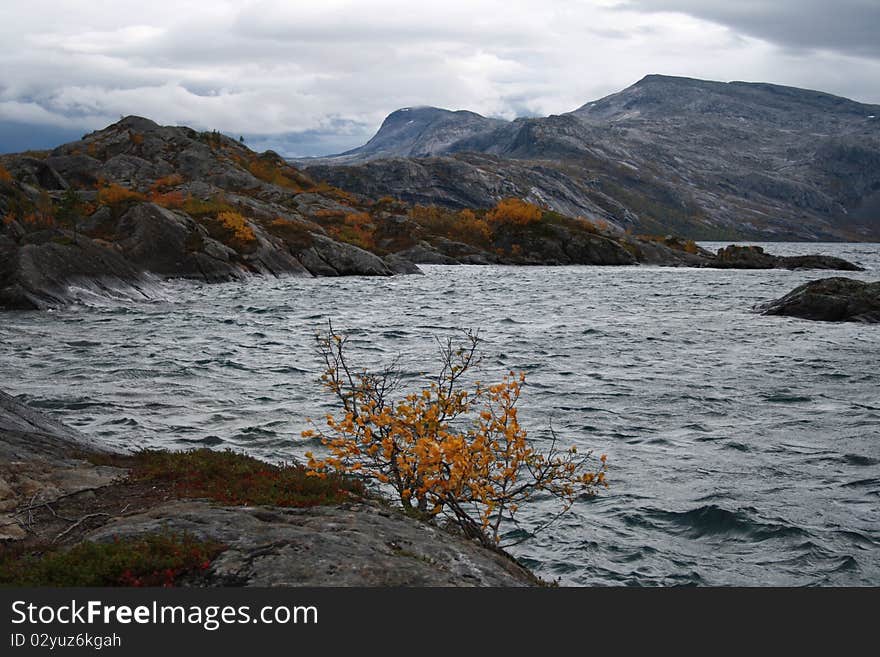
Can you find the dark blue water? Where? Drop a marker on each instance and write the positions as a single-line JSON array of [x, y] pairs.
[[743, 449]]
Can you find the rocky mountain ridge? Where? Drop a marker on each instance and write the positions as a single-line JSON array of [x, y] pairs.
[[702, 159]]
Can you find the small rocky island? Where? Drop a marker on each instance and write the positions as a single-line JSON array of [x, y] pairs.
[[136, 201], [830, 300], [64, 500]]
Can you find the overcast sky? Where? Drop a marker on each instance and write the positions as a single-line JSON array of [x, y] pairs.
[[312, 77]]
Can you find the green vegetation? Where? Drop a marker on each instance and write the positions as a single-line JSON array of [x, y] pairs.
[[152, 560], [232, 478], [164, 559]]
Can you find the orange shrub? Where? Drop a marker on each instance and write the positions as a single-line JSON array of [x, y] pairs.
[[114, 194], [357, 228], [445, 448], [471, 229], [38, 220], [295, 235], [335, 193], [213, 206], [238, 225], [329, 214], [514, 211], [5, 176], [691, 247], [273, 173]]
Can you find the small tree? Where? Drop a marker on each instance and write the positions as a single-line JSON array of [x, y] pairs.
[[447, 449]]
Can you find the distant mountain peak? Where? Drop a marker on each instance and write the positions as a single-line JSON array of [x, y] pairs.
[[419, 131], [659, 95]]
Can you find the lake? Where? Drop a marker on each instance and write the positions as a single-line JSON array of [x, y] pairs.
[[743, 450]]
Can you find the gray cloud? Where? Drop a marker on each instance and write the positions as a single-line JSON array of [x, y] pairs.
[[304, 78], [847, 26]]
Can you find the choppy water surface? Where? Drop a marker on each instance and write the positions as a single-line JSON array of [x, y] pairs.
[[744, 449]]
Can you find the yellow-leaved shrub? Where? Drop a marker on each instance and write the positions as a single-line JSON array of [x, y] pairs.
[[447, 448], [239, 226]]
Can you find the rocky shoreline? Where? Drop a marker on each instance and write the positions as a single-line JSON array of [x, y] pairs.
[[136, 201], [57, 490]]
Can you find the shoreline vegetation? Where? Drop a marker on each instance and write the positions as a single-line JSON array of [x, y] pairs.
[[74, 516], [137, 201], [73, 513]]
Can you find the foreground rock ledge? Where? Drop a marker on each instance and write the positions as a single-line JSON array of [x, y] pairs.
[[354, 544], [831, 300]]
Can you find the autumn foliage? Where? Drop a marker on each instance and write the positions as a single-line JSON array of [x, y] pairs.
[[514, 211], [239, 226], [447, 449], [462, 226], [5, 176], [115, 194]]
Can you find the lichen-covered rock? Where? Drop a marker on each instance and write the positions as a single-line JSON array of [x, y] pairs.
[[830, 300], [38, 463], [363, 544]]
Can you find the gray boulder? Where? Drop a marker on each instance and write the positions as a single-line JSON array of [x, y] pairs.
[[361, 544], [830, 300], [402, 266], [326, 257], [425, 254], [171, 244]]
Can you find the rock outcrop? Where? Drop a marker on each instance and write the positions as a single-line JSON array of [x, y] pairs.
[[754, 257], [138, 200], [38, 271], [362, 543], [830, 300], [39, 463]]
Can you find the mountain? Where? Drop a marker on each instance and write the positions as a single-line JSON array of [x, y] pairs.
[[698, 158], [416, 132]]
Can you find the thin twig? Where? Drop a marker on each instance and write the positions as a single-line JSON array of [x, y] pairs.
[[55, 513], [77, 524], [33, 506]]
